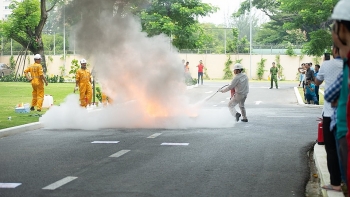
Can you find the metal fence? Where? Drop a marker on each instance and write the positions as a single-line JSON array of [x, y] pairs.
[[256, 49]]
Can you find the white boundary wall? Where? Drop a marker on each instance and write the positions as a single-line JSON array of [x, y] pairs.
[[214, 63]]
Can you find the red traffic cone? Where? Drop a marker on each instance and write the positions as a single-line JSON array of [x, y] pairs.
[[320, 140]]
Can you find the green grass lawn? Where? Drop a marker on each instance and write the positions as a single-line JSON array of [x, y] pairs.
[[321, 101], [13, 93]]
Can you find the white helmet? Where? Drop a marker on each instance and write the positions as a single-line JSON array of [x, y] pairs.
[[37, 57], [237, 66], [341, 11], [83, 61]]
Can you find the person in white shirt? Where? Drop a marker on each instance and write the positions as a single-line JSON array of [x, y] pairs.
[[328, 73]]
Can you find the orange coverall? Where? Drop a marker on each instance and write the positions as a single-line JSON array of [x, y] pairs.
[[36, 71], [83, 78]]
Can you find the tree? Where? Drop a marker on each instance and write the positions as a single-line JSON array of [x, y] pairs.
[[304, 16], [178, 19], [26, 23], [274, 33], [242, 23], [216, 36]]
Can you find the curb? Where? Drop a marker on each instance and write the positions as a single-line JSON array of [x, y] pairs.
[[301, 101], [20, 129], [192, 86], [320, 158]]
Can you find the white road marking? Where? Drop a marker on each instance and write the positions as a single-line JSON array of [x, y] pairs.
[[223, 101], [60, 183], [257, 102], [286, 116], [228, 98], [215, 105], [154, 135], [9, 185], [175, 144], [120, 153], [105, 142], [209, 92]]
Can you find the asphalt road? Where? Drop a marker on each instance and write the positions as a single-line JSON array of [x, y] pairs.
[[265, 157]]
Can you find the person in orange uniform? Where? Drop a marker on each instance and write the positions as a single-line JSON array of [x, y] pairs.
[[37, 80], [83, 83]]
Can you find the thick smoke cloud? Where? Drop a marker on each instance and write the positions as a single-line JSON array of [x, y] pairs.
[[143, 76]]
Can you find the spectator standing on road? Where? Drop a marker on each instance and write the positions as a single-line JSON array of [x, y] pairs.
[[200, 71], [312, 68], [328, 73], [187, 67], [301, 71], [37, 80], [310, 92], [341, 38], [83, 83], [309, 74], [188, 77], [273, 74], [317, 87], [241, 85]]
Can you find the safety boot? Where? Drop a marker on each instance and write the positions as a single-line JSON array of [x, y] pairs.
[[244, 120], [32, 108], [238, 115]]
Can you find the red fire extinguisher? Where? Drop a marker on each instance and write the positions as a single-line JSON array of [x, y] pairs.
[[233, 91], [320, 140]]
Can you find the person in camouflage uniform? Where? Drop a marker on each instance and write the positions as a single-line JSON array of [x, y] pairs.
[[273, 73]]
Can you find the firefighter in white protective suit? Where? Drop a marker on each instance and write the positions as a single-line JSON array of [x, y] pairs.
[[240, 84], [83, 83]]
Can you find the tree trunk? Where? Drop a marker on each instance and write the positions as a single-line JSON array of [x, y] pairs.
[[40, 50]]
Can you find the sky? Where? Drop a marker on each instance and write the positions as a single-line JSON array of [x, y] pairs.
[[226, 8]]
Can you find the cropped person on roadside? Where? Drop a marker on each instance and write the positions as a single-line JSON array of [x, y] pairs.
[[241, 85], [341, 37], [328, 73], [37, 80], [83, 83]]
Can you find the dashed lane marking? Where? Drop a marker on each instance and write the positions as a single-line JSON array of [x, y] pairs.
[[154, 135], [60, 183], [105, 142], [120, 153], [222, 101], [257, 102], [174, 144], [9, 185], [209, 92], [286, 116]]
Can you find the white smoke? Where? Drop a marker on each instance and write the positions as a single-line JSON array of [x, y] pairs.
[[144, 77]]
